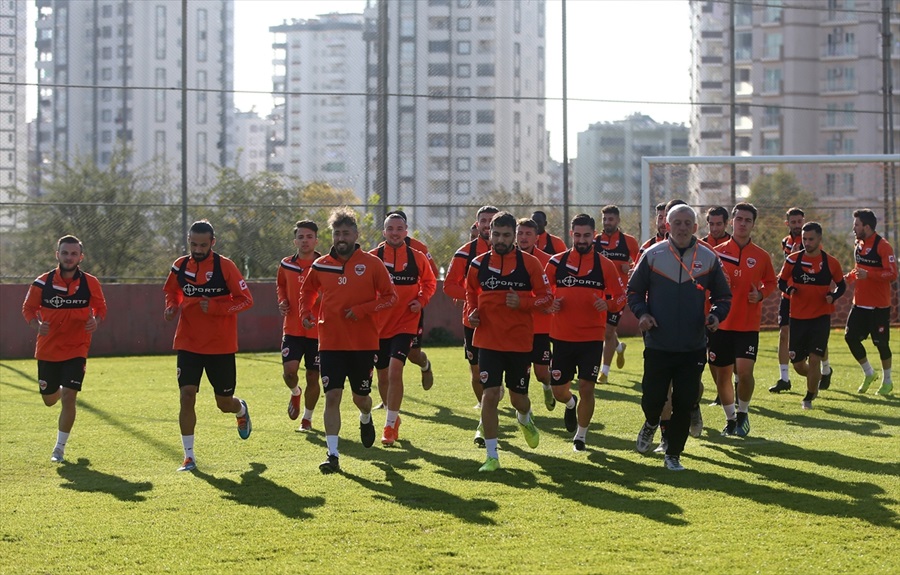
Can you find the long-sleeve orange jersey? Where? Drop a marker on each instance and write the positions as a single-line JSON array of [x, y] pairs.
[[66, 306], [812, 279], [413, 280], [542, 318], [580, 279], [360, 284], [745, 267], [291, 272], [875, 255], [491, 277], [547, 242], [218, 279], [417, 245], [455, 280], [620, 248]]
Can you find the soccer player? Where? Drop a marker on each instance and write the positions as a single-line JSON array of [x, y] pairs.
[[875, 270], [660, 229], [717, 223], [791, 243], [414, 283], [667, 293], [588, 287], [455, 288], [351, 286], [64, 306], [807, 277], [503, 286], [545, 240], [298, 342], [622, 249], [526, 236], [733, 347], [208, 292]]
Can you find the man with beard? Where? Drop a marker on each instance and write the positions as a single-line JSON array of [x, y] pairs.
[[588, 287], [791, 243], [415, 283], [546, 241], [622, 250], [353, 286], [503, 287], [660, 229], [716, 222], [875, 270], [208, 293], [64, 306]]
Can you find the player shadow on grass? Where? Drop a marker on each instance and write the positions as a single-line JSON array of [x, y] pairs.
[[80, 477], [783, 485], [865, 425], [257, 491]]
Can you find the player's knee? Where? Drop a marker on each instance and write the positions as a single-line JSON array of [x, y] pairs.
[[884, 350]]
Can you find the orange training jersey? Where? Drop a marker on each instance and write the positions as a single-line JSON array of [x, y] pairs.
[[580, 280], [291, 272], [812, 277], [66, 305], [217, 279], [547, 242], [713, 242], [361, 284], [646, 245], [745, 267], [417, 245], [620, 248], [492, 276], [455, 280], [413, 280], [542, 319], [876, 256]]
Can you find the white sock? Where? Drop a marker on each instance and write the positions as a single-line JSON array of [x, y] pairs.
[[867, 368], [427, 365], [604, 369], [295, 391], [785, 373], [332, 442], [307, 414], [571, 403], [491, 446], [886, 377], [391, 418], [523, 418], [736, 379], [729, 411], [188, 442], [61, 438], [743, 406], [365, 417], [581, 433], [242, 412], [826, 369], [620, 348]]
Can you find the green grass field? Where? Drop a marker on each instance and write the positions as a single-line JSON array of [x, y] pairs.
[[812, 492]]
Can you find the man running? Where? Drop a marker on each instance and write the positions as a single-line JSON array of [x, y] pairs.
[[64, 306], [717, 223], [546, 241], [794, 219]]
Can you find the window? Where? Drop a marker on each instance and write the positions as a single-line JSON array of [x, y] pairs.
[[439, 23], [484, 140], [463, 24], [201, 158], [463, 164], [485, 117], [438, 69], [463, 141], [463, 70], [438, 140], [438, 47], [485, 70], [160, 32], [201, 35], [463, 117], [463, 94], [160, 95], [463, 47], [463, 188], [439, 116], [772, 81]]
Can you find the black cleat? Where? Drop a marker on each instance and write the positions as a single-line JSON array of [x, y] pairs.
[[571, 417], [330, 465], [780, 385], [578, 445], [367, 433], [825, 382], [730, 427]]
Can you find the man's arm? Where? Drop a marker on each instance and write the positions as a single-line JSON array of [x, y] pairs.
[[638, 284], [427, 279], [384, 297], [240, 298], [719, 292], [455, 280]]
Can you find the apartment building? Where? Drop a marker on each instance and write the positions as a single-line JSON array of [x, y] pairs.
[[251, 142], [13, 130]]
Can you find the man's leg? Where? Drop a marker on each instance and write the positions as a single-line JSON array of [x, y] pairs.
[[290, 375], [610, 343]]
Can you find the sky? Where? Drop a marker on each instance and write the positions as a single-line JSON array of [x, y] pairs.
[[623, 56]]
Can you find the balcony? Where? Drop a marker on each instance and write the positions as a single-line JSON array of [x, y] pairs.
[[838, 121], [743, 123], [772, 88], [773, 52], [743, 89], [770, 121], [832, 16], [743, 54], [843, 50], [833, 86]]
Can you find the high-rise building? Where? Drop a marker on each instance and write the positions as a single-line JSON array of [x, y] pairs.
[[320, 105], [465, 106], [808, 81], [608, 169], [251, 135], [13, 130], [124, 59]]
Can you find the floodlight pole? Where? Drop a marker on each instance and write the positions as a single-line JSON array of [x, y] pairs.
[[565, 126], [184, 124]]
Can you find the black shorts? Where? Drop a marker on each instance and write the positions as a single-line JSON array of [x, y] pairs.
[[297, 347], [784, 312], [863, 322], [569, 356], [68, 373], [417, 339], [725, 346], [613, 318], [515, 364], [338, 366], [809, 336], [220, 371], [540, 349], [393, 347], [471, 350]]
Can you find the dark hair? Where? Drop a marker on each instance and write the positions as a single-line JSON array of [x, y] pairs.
[[503, 220], [867, 217], [794, 212], [718, 211], [584, 220], [202, 227], [527, 222], [69, 239], [486, 210], [394, 216], [672, 203], [747, 207], [306, 225], [812, 227], [342, 216], [400, 213], [660, 207], [610, 209]]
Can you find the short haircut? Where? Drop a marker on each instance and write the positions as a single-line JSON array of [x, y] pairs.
[[69, 239], [680, 208], [486, 210], [503, 220], [202, 227], [793, 212], [610, 209], [718, 211], [867, 217], [584, 220], [399, 213], [394, 216], [527, 223], [306, 225], [672, 203], [342, 217], [747, 207], [812, 227], [660, 207]]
